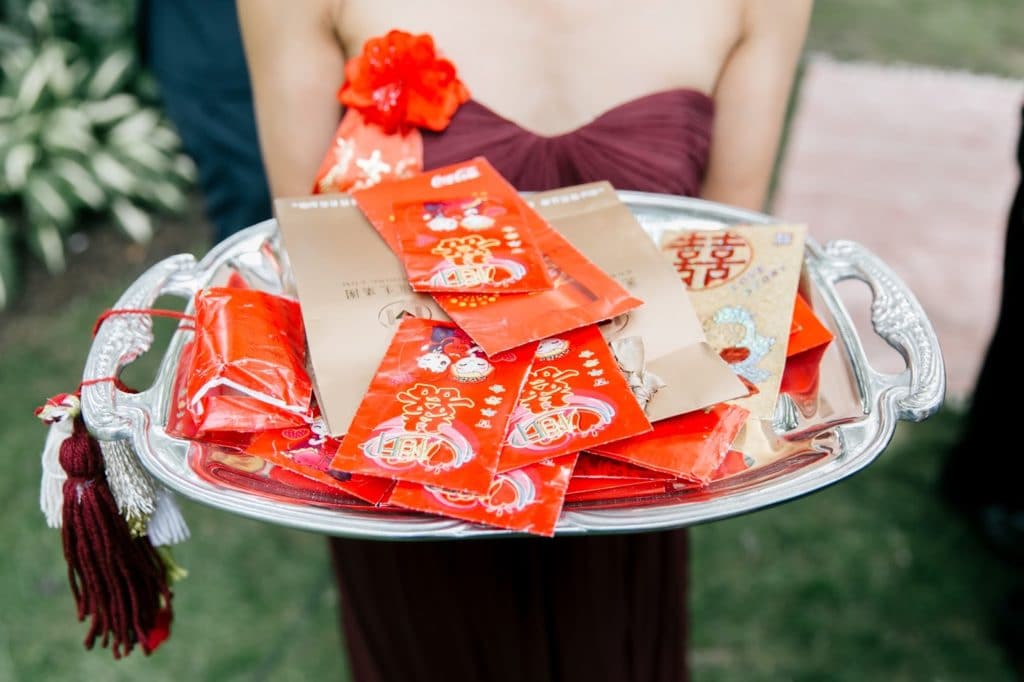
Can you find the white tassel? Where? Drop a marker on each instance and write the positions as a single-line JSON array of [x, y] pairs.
[[132, 487], [59, 412], [167, 525], [148, 507], [51, 488]]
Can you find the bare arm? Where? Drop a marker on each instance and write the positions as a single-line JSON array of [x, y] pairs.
[[296, 65], [750, 101]]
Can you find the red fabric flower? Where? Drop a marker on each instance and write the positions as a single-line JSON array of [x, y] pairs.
[[399, 82]]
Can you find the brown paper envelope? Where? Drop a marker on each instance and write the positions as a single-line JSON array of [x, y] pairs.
[[597, 223], [352, 290], [695, 377]]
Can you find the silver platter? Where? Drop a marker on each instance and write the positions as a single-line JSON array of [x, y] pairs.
[[805, 448]]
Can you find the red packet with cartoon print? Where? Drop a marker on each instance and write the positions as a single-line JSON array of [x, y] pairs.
[[460, 228], [480, 243], [437, 410], [307, 451], [575, 397], [690, 446], [581, 293], [528, 500]]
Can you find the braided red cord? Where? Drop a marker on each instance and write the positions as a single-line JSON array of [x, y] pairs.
[[155, 312]]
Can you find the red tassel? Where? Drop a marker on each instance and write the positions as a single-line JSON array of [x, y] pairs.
[[118, 580]]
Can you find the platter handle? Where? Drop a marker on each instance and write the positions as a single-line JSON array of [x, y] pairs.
[[121, 339], [897, 316]]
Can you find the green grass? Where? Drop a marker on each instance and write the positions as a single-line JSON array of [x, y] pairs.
[[871, 579], [986, 36]]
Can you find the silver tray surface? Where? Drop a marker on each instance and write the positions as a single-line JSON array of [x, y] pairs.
[[804, 449]]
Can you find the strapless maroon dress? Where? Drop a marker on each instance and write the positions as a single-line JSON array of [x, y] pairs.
[[606, 607]]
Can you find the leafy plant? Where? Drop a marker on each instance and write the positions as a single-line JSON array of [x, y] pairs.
[[80, 135]]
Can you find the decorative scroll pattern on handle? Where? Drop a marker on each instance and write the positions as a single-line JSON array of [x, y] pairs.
[[898, 317], [120, 340]]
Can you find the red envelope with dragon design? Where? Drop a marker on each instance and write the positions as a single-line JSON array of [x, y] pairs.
[[437, 410]]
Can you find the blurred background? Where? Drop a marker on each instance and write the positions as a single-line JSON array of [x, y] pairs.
[[900, 136]]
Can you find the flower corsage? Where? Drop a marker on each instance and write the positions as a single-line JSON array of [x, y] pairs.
[[395, 87]]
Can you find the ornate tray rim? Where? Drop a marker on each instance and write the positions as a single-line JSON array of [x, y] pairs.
[[897, 316]]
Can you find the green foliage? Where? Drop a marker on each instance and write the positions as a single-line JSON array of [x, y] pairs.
[[80, 136], [985, 36]]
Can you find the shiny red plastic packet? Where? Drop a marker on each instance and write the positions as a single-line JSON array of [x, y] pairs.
[[179, 420], [575, 397], [436, 411], [528, 499], [690, 446], [247, 372]]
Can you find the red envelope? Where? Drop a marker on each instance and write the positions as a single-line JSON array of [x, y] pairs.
[[690, 446], [478, 243], [581, 294], [437, 410], [528, 499], [255, 476], [635, 482], [734, 463], [594, 472], [808, 340], [574, 398], [593, 466], [307, 451], [620, 496]]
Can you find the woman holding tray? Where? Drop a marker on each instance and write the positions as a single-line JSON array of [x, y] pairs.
[[563, 92]]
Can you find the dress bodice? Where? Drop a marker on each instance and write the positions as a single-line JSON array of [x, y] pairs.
[[656, 143]]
